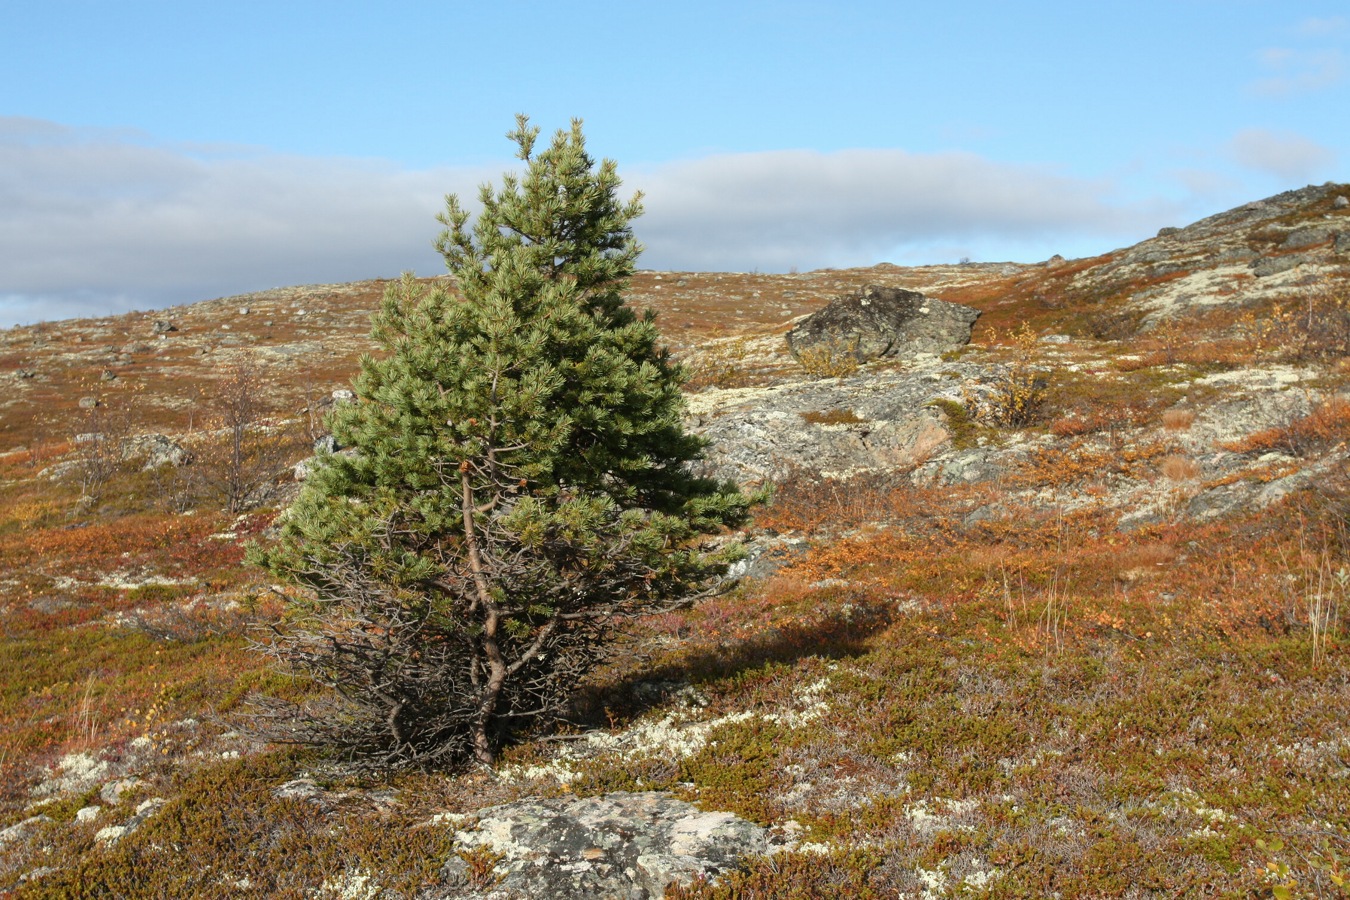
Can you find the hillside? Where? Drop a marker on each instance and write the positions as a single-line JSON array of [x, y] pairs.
[[1053, 614]]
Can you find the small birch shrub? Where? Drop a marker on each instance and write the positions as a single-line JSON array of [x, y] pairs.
[[1019, 394], [830, 359]]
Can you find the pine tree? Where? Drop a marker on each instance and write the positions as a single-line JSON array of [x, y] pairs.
[[520, 482]]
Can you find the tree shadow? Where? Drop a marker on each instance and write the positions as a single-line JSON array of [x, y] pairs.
[[839, 633]]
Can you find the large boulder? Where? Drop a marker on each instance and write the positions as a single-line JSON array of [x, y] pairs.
[[621, 845], [881, 321], [868, 423], [156, 450]]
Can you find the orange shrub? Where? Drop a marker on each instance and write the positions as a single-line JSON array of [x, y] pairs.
[[1325, 426]]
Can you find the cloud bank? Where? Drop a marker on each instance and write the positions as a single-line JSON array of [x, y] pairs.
[[97, 222], [775, 210], [93, 222], [1280, 153]]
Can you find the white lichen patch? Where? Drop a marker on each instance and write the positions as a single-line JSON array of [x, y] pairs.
[[355, 885], [1329, 754], [125, 580], [73, 772], [674, 736], [980, 878], [1258, 378], [808, 705], [933, 881], [940, 814]]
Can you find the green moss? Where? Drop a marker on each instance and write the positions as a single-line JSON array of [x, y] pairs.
[[846, 872], [737, 769], [158, 594], [960, 424]]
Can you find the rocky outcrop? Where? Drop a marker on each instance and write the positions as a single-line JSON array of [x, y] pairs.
[[1256, 252], [155, 450], [879, 321], [621, 845], [877, 422]]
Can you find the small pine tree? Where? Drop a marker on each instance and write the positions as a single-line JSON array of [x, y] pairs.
[[520, 483]]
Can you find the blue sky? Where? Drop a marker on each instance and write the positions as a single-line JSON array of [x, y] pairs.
[[161, 153]]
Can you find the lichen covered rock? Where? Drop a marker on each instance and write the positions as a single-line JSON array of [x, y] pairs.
[[622, 845], [882, 321]]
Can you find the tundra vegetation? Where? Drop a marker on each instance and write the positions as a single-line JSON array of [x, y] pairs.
[[982, 689]]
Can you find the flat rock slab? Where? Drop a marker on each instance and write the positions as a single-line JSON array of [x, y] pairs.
[[885, 422], [622, 845], [879, 321]]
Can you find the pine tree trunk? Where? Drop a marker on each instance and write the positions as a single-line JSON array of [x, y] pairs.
[[483, 749]]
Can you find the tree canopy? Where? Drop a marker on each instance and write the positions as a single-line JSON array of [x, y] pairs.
[[517, 480]]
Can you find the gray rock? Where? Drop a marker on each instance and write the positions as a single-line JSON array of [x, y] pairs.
[[21, 830], [1274, 265], [1168, 232], [621, 845], [881, 321], [1308, 236], [157, 449], [765, 555], [88, 402], [111, 834], [1236, 254], [305, 467], [111, 793], [161, 327], [762, 435], [1340, 202], [963, 467], [1342, 244]]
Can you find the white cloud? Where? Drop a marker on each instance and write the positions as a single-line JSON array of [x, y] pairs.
[[96, 222], [1283, 154], [1326, 27], [774, 210], [1298, 71]]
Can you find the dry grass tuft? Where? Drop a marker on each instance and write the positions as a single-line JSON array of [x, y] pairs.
[[1178, 419], [1176, 467]]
